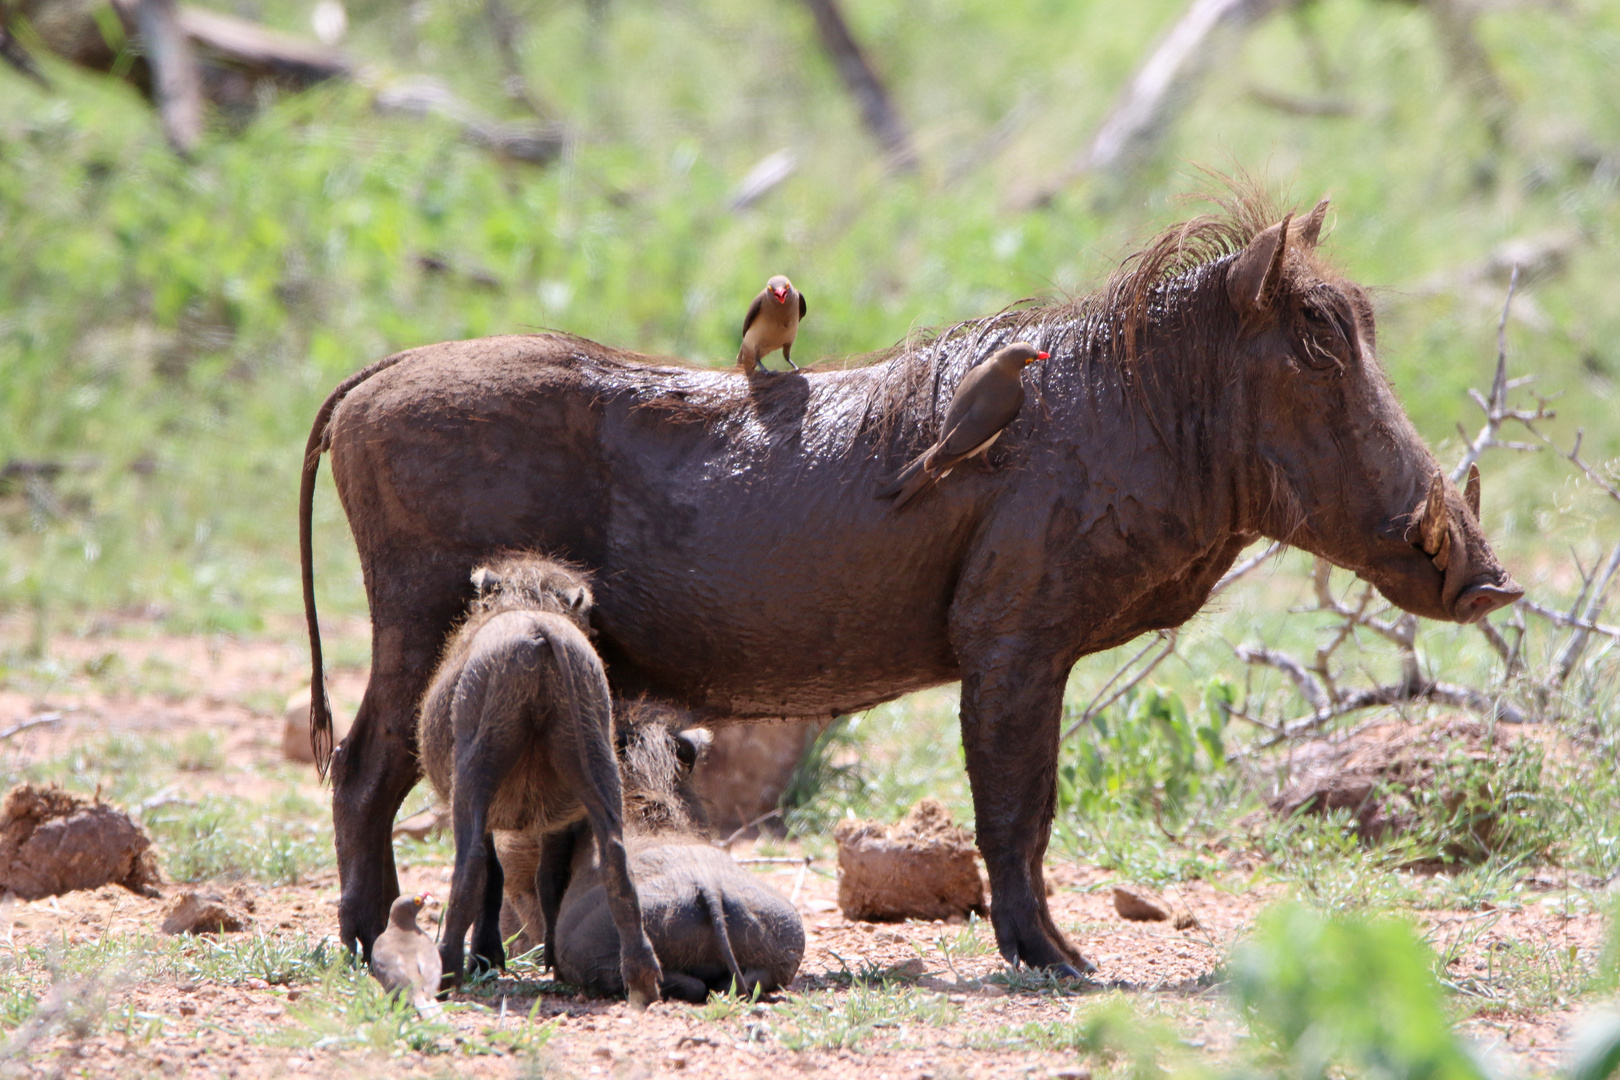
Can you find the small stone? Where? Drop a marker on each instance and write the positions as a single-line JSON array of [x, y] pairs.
[[1186, 920], [1069, 1072], [187, 1009], [1136, 907], [602, 1052], [677, 1060], [203, 913], [255, 984]]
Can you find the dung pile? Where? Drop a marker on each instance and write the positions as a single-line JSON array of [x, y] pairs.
[[922, 868], [54, 842]]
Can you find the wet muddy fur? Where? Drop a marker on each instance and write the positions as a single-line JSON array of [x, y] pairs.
[[1222, 387]]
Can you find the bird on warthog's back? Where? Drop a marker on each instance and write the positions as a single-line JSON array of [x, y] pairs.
[[986, 401], [772, 323]]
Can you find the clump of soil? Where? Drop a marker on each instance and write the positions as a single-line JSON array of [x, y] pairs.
[[1451, 780], [53, 842], [923, 868], [1132, 905], [208, 913]]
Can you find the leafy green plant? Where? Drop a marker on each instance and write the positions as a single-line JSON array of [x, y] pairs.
[[1346, 991], [1150, 756]]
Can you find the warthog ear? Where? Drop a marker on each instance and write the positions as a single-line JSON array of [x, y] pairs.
[[1311, 231], [485, 579], [1471, 492], [1252, 279], [578, 599], [692, 744]]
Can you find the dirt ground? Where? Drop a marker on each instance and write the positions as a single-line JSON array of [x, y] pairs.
[[967, 1016]]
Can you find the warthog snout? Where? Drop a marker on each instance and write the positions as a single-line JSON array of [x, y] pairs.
[[1483, 597]]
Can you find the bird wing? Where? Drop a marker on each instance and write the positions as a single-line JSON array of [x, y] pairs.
[[973, 420], [388, 963], [803, 307], [753, 312], [428, 964]]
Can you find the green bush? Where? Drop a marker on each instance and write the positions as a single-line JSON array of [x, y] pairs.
[[1347, 991]]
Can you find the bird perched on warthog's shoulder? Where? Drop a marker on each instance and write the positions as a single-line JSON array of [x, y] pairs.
[[404, 959], [772, 323], [986, 401]]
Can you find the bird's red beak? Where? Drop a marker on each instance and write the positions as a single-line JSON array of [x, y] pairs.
[[1037, 356], [780, 294]]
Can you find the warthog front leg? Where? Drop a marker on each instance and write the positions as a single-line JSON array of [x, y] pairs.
[[1011, 709]]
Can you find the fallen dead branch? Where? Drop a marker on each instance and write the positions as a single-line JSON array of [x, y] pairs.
[[185, 58]]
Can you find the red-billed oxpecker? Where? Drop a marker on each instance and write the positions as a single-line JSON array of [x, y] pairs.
[[771, 323], [986, 401], [404, 959]]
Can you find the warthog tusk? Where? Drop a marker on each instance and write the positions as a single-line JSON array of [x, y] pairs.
[[1436, 527], [1471, 492]]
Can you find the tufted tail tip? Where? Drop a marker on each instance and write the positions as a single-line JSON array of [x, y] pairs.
[[320, 732]]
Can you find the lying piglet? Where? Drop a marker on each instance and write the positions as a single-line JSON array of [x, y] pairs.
[[712, 924]]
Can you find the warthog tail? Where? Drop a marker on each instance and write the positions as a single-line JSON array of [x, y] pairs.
[[320, 707], [714, 900]]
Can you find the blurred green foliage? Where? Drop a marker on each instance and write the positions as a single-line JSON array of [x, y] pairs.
[[1347, 992]]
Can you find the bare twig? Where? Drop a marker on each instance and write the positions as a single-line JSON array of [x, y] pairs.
[[39, 720], [1570, 654], [725, 845], [1458, 697], [1309, 688], [1560, 619], [1243, 568], [1168, 639]]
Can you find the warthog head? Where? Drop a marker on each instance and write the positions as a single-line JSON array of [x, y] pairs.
[[1340, 470]]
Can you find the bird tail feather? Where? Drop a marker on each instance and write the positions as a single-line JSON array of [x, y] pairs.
[[921, 481], [897, 483]]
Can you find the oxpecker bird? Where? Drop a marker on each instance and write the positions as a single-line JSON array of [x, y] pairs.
[[986, 401], [404, 959], [771, 323]]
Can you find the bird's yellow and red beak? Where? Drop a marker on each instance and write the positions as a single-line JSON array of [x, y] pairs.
[[780, 294], [423, 899], [1037, 356]]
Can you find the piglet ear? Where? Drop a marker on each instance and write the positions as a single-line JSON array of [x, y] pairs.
[[1253, 277]]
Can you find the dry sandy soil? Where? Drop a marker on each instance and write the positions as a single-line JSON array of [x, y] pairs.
[[962, 1021]]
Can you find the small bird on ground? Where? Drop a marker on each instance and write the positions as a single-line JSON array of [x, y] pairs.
[[404, 959], [771, 323], [986, 401]]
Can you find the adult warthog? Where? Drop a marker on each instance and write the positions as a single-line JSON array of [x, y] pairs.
[[1223, 386]]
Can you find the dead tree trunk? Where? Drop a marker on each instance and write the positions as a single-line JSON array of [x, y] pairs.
[[877, 109], [176, 85]]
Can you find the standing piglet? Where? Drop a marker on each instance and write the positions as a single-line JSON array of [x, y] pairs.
[[516, 732]]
